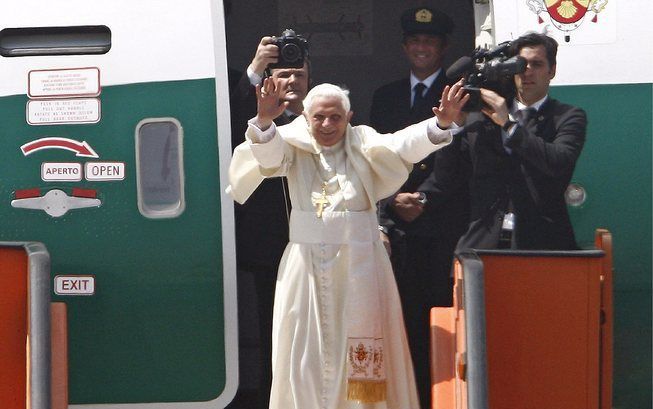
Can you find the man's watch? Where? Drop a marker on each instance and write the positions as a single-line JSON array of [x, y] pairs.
[[384, 230], [422, 198], [509, 123]]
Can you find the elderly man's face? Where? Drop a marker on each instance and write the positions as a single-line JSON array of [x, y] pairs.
[[293, 83], [328, 120]]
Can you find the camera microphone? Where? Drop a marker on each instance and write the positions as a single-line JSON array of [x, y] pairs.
[[460, 67]]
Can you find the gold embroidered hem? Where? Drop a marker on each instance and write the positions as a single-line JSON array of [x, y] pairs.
[[366, 391]]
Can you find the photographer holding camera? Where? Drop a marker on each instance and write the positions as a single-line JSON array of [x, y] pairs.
[[284, 58], [262, 222], [522, 151]]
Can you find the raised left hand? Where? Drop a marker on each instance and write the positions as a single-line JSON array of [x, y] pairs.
[[451, 106]]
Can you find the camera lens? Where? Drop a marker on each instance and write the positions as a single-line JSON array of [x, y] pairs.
[[291, 52]]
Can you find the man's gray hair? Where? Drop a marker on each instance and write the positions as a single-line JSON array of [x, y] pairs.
[[327, 90]]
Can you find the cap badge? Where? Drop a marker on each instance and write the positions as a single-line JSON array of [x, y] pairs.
[[423, 16]]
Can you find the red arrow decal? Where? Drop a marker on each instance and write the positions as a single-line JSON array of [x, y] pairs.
[[80, 148]]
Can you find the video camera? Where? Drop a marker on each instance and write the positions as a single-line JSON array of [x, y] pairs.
[[487, 68], [293, 49]]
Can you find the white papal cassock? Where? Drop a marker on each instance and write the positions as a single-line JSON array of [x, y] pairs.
[[338, 337]]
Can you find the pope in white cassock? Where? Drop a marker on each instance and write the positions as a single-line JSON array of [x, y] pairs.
[[338, 336]]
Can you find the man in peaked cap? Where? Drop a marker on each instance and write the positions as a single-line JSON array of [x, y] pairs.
[[420, 223]]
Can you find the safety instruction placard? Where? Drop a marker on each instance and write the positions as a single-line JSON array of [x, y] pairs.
[[68, 82], [63, 111]]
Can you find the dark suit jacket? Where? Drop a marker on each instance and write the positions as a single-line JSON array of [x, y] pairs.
[[262, 221], [422, 250], [531, 181], [446, 208]]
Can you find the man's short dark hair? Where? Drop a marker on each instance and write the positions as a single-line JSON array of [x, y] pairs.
[[307, 61], [533, 40]]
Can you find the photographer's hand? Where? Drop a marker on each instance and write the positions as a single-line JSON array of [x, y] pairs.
[[495, 106], [266, 53], [450, 110], [268, 104]]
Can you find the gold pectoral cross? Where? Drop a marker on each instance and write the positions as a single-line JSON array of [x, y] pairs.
[[321, 202]]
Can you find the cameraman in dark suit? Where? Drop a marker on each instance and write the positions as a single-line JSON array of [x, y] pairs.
[[421, 222], [262, 222], [522, 155]]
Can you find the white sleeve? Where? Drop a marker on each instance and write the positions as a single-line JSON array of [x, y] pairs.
[[417, 141], [257, 135], [266, 146], [254, 78], [438, 135]]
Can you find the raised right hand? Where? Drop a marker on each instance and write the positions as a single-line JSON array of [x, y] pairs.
[[268, 103]]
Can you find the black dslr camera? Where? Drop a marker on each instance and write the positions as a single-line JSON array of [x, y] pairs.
[[293, 49], [491, 69]]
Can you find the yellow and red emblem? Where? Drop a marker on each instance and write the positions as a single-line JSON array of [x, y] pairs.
[[566, 15], [567, 11], [423, 16]]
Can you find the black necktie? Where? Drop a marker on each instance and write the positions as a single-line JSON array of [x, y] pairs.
[[525, 115], [419, 99]]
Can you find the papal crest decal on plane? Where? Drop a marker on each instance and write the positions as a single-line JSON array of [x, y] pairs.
[[566, 15]]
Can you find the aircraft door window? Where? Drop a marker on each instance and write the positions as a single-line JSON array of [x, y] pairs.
[[159, 168], [35, 41]]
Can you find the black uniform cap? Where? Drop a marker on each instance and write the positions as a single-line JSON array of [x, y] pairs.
[[423, 20]]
